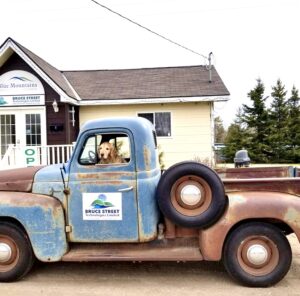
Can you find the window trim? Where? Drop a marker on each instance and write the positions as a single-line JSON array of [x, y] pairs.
[[158, 111], [95, 134]]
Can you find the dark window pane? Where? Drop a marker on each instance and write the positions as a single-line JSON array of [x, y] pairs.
[[33, 140], [38, 140], [148, 116], [27, 118], [7, 129], [28, 130], [163, 124]]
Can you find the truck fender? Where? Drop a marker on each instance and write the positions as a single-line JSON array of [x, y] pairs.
[[245, 206], [42, 217]]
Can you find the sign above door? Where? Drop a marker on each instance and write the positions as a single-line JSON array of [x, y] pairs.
[[19, 88]]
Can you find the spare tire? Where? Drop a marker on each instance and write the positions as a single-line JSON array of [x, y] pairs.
[[191, 194]]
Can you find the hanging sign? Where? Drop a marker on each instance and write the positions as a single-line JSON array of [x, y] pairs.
[[20, 88]]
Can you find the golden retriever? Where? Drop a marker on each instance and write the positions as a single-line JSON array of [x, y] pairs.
[[107, 153]]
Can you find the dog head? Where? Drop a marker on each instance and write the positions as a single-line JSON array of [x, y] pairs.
[[106, 152]]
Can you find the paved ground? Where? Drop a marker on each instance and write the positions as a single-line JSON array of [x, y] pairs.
[[63, 279]]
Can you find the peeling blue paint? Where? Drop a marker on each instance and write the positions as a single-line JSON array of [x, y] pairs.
[[43, 219]]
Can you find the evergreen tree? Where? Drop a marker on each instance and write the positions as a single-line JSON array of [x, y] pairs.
[[293, 104], [220, 132], [256, 119], [237, 138], [278, 137]]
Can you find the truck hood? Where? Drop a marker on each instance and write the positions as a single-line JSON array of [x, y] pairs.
[[18, 179], [50, 173]]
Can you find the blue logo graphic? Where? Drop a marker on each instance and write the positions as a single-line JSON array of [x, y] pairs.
[[2, 101], [20, 78], [101, 203]]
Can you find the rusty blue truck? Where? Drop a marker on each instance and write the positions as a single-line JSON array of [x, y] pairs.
[[86, 210]]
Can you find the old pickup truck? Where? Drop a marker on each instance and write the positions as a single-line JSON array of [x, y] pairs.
[[86, 210]]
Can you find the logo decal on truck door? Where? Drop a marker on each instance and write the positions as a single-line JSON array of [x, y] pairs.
[[102, 206]]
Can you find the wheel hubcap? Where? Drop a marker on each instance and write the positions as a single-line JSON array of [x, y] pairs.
[[5, 252], [257, 254], [190, 195]]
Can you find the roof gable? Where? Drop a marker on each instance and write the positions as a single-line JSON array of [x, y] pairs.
[[50, 74]]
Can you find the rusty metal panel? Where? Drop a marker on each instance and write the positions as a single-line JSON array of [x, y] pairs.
[[249, 205], [18, 179], [286, 185], [97, 228], [148, 212], [174, 231], [256, 172], [43, 219], [184, 249]]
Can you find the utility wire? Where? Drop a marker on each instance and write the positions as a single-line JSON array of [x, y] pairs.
[[149, 30]]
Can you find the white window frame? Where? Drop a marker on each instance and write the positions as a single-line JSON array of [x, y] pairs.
[[158, 111]]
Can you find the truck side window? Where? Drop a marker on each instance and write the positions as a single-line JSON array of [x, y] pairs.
[[106, 149]]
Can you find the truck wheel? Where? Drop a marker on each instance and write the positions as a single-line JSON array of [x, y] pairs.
[[257, 255], [190, 194], [16, 256]]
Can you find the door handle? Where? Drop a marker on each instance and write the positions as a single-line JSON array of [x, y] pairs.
[[126, 189]]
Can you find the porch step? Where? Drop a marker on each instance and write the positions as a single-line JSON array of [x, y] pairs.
[[182, 249]]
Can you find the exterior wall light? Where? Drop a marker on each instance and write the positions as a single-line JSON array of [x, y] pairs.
[[55, 106]]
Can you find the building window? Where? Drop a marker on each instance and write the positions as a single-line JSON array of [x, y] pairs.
[[7, 132], [33, 129], [161, 122]]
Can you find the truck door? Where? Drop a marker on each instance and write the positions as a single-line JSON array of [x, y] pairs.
[[102, 205]]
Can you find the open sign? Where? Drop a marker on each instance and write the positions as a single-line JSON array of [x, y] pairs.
[[31, 156]]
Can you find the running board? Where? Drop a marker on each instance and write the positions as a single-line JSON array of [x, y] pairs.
[[182, 249]]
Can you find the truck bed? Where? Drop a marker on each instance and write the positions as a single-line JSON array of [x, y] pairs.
[[274, 179], [259, 172]]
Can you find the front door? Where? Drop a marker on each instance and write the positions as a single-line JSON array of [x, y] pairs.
[[102, 205], [22, 127]]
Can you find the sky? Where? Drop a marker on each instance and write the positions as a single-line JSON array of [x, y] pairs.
[[250, 39]]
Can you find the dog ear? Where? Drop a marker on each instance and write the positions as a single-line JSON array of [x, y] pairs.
[[113, 152]]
